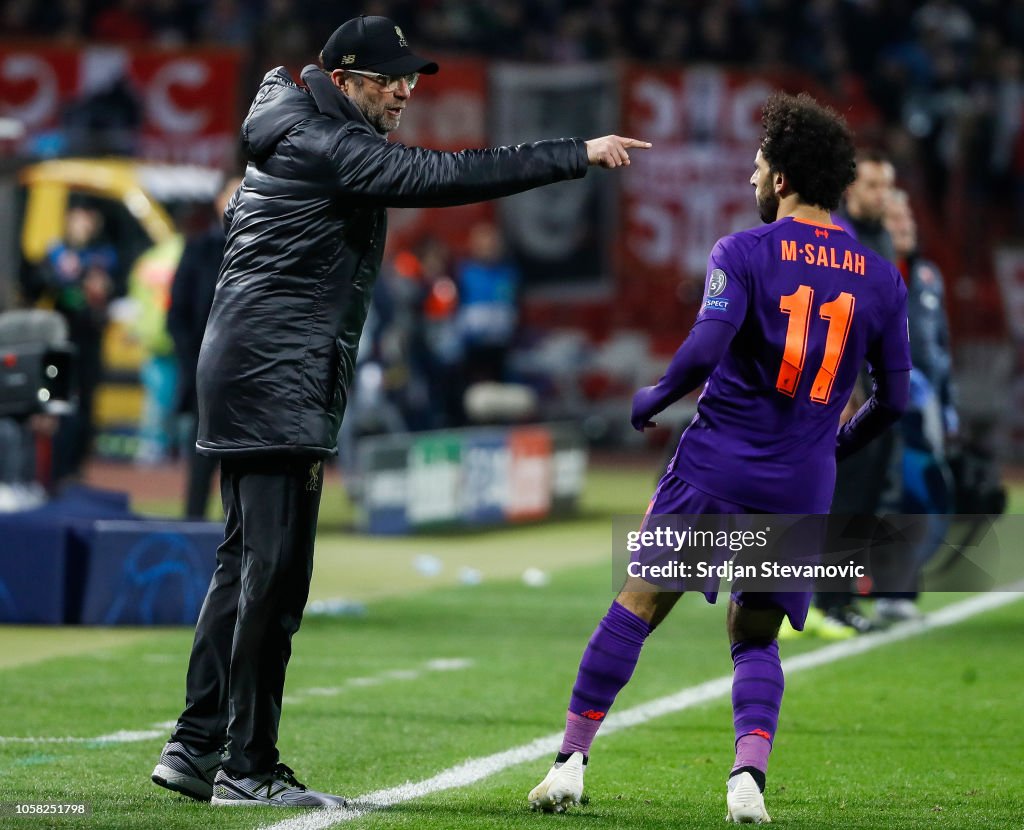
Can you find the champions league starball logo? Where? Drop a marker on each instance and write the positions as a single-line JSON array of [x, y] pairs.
[[716, 285]]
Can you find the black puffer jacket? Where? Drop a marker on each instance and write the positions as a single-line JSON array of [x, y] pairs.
[[304, 245]]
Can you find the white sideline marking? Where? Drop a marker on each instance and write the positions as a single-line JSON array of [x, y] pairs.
[[449, 664], [436, 665], [122, 736], [476, 769], [160, 730]]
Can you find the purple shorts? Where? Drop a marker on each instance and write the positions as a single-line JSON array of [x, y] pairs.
[[674, 496]]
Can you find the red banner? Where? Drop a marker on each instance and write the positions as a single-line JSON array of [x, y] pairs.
[[693, 187], [166, 105]]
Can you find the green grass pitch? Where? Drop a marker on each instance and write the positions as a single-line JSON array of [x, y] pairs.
[[922, 733]]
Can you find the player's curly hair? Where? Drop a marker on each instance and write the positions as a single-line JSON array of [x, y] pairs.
[[811, 145]]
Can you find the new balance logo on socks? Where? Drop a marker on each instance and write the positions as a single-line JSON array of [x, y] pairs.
[[593, 715]]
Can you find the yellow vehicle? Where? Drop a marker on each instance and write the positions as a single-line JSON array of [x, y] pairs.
[[138, 201]]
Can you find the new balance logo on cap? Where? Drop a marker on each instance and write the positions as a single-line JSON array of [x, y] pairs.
[[376, 44]]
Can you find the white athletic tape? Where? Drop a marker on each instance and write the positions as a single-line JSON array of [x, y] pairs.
[[469, 772]]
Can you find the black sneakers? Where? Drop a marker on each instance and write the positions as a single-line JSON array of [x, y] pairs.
[[182, 770], [278, 789]]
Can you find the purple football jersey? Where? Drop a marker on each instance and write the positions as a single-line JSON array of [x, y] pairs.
[[809, 304]]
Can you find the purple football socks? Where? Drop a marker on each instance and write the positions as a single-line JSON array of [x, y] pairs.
[[606, 667], [757, 685]]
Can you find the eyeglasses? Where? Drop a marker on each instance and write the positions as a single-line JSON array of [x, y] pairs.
[[388, 82]]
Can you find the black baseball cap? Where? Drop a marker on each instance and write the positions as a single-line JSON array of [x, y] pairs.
[[375, 44]]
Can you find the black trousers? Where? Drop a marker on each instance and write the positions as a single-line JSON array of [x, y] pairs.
[[253, 608]]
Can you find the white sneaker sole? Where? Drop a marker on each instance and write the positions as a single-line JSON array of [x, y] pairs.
[[245, 802], [182, 783], [252, 802], [745, 802], [561, 788]]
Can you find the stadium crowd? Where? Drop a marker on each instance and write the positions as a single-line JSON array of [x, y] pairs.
[[946, 75]]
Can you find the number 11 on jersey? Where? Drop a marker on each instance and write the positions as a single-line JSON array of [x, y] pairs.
[[839, 314]]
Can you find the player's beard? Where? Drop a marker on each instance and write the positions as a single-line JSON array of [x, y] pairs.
[[768, 206]]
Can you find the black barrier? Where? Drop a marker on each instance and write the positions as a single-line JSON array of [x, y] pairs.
[[149, 573], [85, 558]]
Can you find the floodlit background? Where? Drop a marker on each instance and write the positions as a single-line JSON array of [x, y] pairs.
[[465, 538]]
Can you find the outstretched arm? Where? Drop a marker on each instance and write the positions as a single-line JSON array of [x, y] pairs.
[[692, 364], [393, 175]]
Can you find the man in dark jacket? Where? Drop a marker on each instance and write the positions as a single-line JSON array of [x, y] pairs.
[[866, 483], [931, 421], [191, 299], [304, 245], [930, 346], [863, 208]]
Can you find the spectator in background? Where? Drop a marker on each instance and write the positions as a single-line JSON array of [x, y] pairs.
[[488, 283], [863, 208], [281, 35], [867, 482], [79, 275], [18, 18], [227, 23], [61, 20], [149, 288], [995, 143], [106, 117], [122, 22], [413, 338], [443, 350], [931, 419], [191, 299], [171, 24], [930, 348]]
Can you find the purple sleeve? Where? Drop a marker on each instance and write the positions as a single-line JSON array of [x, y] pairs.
[[725, 284], [722, 313], [890, 352], [887, 403], [691, 365], [889, 356]]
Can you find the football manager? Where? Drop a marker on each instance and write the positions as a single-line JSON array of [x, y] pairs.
[[305, 238]]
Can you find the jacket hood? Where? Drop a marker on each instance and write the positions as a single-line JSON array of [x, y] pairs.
[[280, 104]]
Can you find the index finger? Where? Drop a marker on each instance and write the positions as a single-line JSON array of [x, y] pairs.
[[636, 142]]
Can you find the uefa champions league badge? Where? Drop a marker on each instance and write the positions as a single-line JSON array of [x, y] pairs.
[[713, 300], [716, 284]]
